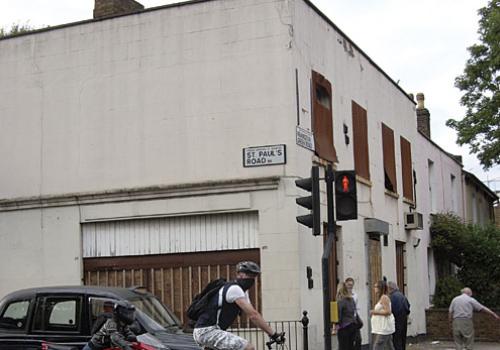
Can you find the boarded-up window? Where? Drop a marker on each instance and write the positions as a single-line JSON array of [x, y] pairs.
[[400, 266], [406, 167], [360, 135], [322, 120], [389, 159]]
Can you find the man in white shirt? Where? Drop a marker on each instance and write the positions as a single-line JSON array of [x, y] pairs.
[[460, 315], [225, 306], [349, 283]]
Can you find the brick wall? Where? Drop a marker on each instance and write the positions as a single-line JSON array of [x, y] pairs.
[[424, 122], [486, 327], [105, 8]]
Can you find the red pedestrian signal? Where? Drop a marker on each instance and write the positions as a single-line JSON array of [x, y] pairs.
[[346, 202], [345, 184]]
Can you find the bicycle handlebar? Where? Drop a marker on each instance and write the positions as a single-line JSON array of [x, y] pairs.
[[278, 340]]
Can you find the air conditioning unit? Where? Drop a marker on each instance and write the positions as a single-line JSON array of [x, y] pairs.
[[414, 221]]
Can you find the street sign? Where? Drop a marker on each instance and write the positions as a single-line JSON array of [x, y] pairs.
[[264, 155], [304, 138]]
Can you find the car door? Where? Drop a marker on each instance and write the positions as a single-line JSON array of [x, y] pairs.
[[60, 318], [14, 319]]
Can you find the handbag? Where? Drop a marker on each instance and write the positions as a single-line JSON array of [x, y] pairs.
[[359, 322]]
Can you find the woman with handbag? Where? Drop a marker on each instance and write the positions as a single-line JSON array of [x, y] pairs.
[[346, 327], [382, 321]]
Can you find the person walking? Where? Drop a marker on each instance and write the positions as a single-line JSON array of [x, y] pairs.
[[382, 320], [349, 283], [346, 327], [225, 306], [400, 309], [460, 316]]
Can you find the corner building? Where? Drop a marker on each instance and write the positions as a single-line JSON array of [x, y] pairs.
[[122, 155]]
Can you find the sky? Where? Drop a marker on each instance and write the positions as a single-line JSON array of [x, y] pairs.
[[422, 45]]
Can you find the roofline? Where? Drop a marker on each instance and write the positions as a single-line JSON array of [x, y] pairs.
[[471, 175], [448, 154], [91, 20], [329, 21], [481, 184], [193, 2]]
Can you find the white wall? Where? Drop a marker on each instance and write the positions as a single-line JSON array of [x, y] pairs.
[[167, 97], [39, 248], [320, 47], [163, 97], [444, 201]]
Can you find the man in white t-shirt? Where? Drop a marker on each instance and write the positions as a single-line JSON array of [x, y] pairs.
[[224, 308], [349, 283]]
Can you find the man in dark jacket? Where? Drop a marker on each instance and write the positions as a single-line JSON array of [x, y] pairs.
[[400, 309]]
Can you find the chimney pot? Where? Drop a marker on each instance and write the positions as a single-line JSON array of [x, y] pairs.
[[420, 100]]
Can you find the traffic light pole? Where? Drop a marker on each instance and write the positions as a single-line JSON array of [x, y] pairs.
[[327, 250]]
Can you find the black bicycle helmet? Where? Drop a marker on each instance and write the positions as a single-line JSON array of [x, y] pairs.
[[124, 311], [248, 267]]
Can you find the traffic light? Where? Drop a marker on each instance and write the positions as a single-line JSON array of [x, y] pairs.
[[346, 202], [311, 202]]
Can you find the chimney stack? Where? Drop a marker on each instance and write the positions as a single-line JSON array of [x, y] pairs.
[[105, 8], [423, 116]]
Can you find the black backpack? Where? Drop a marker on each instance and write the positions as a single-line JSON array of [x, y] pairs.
[[200, 302]]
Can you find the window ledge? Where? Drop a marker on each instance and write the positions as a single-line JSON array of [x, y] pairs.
[[408, 201], [364, 180], [392, 194]]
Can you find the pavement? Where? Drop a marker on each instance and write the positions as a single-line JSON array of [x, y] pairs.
[[448, 345]]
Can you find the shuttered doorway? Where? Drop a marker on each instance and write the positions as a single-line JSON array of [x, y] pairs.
[[375, 265], [174, 258]]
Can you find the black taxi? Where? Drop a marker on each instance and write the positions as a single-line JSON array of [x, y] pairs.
[[65, 315]]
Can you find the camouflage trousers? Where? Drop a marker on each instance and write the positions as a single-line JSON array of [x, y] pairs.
[[215, 338]]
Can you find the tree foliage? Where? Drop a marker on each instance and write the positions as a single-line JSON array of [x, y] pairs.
[[16, 28], [475, 250], [446, 289], [480, 81]]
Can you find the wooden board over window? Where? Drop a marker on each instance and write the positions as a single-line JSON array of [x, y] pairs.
[[375, 263], [360, 140], [389, 159], [322, 117], [406, 166], [400, 265], [174, 278]]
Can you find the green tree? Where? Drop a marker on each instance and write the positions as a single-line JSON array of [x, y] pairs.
[[16, 28], [475, 250], [480, 127]]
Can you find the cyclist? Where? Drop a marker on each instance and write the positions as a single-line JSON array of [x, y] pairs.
[[115, 332], [210, 329]]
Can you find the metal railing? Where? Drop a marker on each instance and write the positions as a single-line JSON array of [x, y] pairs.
[[296, 334]]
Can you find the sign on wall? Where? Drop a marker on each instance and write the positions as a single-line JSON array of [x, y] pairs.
[[305, 138], [264, 155]]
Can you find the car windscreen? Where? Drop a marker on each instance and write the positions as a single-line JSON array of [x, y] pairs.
[[157, 316]]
